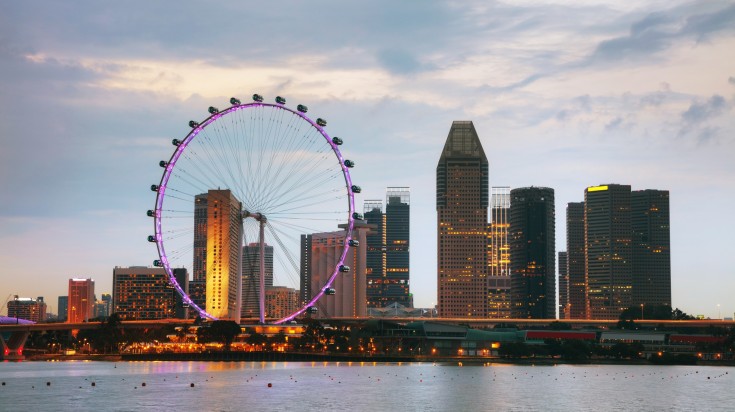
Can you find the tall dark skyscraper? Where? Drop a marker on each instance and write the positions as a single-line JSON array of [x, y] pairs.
[[251, 278], [651, 247], [375, 260], [498, 281], [532, 253], [577, 298], [462, 216], [397, 231], [608, 251], [563, 286]]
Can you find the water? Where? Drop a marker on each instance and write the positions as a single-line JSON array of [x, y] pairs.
[[237, 386]]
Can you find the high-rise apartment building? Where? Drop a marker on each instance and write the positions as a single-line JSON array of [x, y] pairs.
[[251, 278], [651, 247], [223, 247], [324, 252], [28, 309], [140, 292], [499, 254], [608, 250], [532, 253], [281, 301], [563, 304], [80, 306], [577, 298], [462, 216], [199, 266]]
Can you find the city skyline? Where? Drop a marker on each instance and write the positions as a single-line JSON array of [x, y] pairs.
[[565, 97]]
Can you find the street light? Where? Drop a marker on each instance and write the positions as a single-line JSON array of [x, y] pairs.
[[641, 311]]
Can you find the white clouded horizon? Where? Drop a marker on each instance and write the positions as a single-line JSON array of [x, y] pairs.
[[562, 95]]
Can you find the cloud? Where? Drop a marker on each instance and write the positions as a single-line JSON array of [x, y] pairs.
[[398, 61], [701, 111], [731, 80]]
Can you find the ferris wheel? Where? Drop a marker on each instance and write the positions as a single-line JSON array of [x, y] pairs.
[[238, 194]]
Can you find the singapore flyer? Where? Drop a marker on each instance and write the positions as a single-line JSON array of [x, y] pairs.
[[235, 200]]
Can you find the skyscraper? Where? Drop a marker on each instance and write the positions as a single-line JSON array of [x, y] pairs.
[[563, 286], [397, 237], [200, 238], [608, 250], [63, 308], [375, 253], [81, 300], [462, 204], [651, 247], [499, 254], [224, 243], [577, 300], [532, 253], [28, 309], [251, 278]]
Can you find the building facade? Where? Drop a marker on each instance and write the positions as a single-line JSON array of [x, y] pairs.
[[462, 200], [532, 253], [28, 309], [651, 247], [608, 250], [281, 301], [80, 306], [577, 304], [63, 305], [375, 254], [140, 293], [563, 304], [224, 247], [499, 254], [397, 254]]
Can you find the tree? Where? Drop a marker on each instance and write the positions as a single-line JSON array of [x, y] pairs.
[[224, 331]]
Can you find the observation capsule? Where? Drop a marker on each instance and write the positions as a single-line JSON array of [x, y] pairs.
[[157, 263], [213, 110], [150, 213], [329, 291], [353, 243], [337, 141], [280, 100], [349, 163], [154, 188], [234, 101], [176, 142], [257, 98], [163, 163], [302, 108], [151, 238], [357, 216], [193, 124], [312, 309], [344, 268], [356, 189], [321, 122]]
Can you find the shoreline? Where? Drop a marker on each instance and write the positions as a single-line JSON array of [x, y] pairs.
[[311, 357]]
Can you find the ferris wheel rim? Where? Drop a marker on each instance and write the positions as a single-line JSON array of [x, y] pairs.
[[170, 167]]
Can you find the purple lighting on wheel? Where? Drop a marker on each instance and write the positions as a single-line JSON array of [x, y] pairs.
[[170, 167]]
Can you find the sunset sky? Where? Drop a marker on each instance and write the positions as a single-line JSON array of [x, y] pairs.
[[561, 94]]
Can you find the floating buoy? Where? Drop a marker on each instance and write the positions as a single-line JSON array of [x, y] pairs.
[[94, 384], [143, 384], [270, 385], [191, 385], [48, 383]]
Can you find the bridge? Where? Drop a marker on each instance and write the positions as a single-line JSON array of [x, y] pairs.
[[14, 332]]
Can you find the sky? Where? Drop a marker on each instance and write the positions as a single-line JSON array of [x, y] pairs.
[[563, 94]]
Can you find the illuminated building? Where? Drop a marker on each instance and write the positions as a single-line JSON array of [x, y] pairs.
[[80, 306], [224, 243], [577, 287], [28, 309], [532, 253], [498, 281], [563, 287], [324, 252], [140, 292], [388, 247], [198, 292], [281, 301], [462, 216], [63, 305], [181, 310], [608, 250], [251, 278], [375, 259], [200, 239], [651, 247]]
